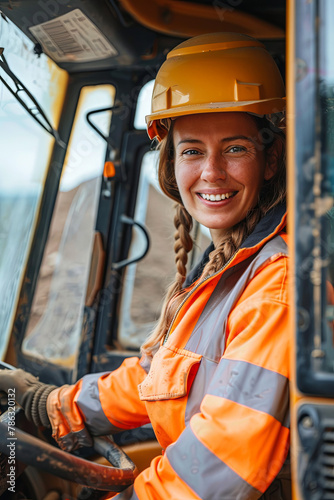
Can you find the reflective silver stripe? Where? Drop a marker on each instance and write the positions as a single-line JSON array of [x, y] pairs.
[[206, 474], [128, 494], [252, 386], [208, 336], [255, 387], [199, 387], [90, 405]]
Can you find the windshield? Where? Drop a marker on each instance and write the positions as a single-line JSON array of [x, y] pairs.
[[25, 153]]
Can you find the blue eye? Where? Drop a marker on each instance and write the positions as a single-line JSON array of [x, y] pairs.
[[190, 152], [236, 149]]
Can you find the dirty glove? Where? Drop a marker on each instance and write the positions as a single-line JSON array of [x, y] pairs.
[[29, 393]]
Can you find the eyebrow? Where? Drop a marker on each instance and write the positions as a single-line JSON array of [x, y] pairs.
[[226, 139]]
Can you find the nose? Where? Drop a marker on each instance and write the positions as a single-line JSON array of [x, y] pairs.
[[214, 168]]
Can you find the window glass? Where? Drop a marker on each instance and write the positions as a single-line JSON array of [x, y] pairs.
[[315, 190], [143, 106], [326, 90], [145, 282], [25, 153], [55, 324]]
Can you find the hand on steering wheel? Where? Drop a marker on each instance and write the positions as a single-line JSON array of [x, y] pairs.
[[38, 453]]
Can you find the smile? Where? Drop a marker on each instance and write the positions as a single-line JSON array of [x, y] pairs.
[[217, 197]]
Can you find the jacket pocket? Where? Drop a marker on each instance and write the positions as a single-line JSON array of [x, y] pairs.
[[171, 374]]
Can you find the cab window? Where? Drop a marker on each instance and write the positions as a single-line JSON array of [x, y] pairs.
[[314, 199], [55, 322], [26, 148]]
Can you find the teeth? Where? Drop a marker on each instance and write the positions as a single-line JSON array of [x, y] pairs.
[[216, 197]]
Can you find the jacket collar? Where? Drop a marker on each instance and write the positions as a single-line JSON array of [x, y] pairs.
[[270, 225]]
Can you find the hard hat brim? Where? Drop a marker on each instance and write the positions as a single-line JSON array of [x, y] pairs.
[[259, 107]]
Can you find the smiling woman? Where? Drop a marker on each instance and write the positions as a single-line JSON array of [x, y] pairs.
[[213, 379]]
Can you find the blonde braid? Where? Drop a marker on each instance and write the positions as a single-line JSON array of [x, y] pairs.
[[231, 242], [183, 244]]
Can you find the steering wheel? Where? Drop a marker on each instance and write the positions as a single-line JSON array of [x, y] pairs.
[[33, 451]]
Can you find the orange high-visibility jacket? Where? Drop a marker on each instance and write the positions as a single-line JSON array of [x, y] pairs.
[[216, 392]]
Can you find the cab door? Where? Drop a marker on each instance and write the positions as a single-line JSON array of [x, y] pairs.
[[311, 191]]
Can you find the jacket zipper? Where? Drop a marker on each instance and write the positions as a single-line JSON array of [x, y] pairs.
[[190, 293]]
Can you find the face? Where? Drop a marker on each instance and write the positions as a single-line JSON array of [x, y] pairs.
[[220, 166]]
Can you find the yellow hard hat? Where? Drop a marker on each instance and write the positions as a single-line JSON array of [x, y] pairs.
[[213, 73]]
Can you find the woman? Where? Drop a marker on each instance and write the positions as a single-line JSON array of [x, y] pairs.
[[213, 377]]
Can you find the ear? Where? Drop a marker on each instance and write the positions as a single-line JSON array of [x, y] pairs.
[[272, 158]]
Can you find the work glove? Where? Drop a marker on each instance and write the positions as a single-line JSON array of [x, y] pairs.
[[29, 393]]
